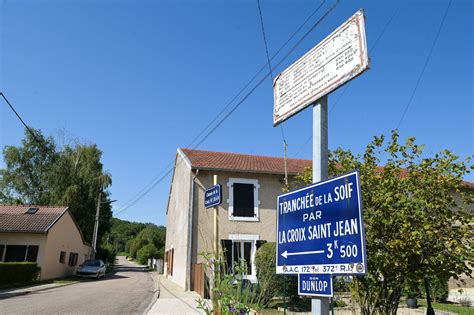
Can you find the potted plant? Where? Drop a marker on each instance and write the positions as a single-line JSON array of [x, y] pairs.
[[412, 292]]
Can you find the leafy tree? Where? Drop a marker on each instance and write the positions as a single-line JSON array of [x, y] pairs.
[[417, 225], [28, 171], [37, 172], [146, 252], [151, 234], [122, 233]]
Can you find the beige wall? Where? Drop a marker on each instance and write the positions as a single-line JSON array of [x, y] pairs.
[[265, 227], [26, 239], [177, 225], [63, 236]]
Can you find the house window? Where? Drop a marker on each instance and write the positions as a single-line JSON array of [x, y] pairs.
[[20, 253], [62, 257], [243, 199], [2, 247], [239, 251], [15, 253], [73, 259], [32, 254]]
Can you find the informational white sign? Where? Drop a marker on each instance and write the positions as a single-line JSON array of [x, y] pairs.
[[337, 59]]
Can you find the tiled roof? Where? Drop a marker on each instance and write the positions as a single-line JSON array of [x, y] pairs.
[[13, 218], [211, 160]]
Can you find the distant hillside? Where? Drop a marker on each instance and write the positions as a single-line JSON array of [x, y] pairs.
[[135, 239]]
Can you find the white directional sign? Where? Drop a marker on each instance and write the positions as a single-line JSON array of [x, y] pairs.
[[337, 59]]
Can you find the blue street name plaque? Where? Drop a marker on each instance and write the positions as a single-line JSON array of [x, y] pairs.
[[320, 229], [315, 285], [213, 196]]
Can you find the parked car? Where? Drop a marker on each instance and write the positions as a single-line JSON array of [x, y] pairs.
[[91, 269]]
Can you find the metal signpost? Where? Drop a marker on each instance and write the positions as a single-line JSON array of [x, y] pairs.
[[321, 229], [336, 60], [213, 196], [315, 285]]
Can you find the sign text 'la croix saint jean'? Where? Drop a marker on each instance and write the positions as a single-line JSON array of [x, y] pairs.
[[320, 229]]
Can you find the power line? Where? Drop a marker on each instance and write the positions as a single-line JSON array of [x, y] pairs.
[[424, 66], [230, 103], [258, 72], [21, 119], [265, 40], [370, 51], [313, 27], [271, 75], [346, 87]]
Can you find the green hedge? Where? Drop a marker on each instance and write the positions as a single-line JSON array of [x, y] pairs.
[[18, 272]]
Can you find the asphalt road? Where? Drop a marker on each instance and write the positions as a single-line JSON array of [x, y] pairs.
[[129, 290]]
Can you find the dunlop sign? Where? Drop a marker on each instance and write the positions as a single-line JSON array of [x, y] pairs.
[[337, 59]]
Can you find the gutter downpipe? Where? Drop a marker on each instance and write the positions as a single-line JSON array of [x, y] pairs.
[[190, 233]]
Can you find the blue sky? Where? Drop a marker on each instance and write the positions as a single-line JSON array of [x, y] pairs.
[[141, 78]]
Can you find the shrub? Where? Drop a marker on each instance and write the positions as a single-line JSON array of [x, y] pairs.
[[439, 289], [147, 251], [271, 284], [106, 252], [338, 303], [268, 282], [18, 272]]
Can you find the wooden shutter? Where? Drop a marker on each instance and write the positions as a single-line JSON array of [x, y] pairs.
[[172, 261]]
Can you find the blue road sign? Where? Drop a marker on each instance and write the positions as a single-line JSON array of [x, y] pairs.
[[320, 228], [213, 196], [315, 285]]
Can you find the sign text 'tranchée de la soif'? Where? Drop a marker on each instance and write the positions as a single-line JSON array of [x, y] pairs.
[[320, 229]]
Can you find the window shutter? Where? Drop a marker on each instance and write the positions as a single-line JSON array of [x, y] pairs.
[[227, 250], [259, 243]]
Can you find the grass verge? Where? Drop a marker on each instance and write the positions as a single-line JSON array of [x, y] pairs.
[[448, 307]]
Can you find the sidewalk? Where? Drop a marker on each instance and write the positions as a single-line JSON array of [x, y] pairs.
[[4, 294], [174, 300]]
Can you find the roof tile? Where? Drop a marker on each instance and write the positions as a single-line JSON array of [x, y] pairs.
[[244, 162], [13, 218]]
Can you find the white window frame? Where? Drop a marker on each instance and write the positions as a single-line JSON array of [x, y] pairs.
[[253, 238], [256, 201]]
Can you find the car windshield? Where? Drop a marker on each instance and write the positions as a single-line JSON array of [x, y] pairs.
[[92, 263]]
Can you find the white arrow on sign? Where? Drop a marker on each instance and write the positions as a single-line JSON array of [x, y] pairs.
[[286, 254]]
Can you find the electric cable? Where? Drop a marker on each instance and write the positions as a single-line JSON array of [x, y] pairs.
[[313, 27], [424, 66], [228, 104], [346, 87]]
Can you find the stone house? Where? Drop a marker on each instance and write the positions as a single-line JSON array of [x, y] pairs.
[[247, 214]]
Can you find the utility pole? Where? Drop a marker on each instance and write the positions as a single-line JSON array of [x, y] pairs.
[[286, 164], [320, 306], [96, 228], [216, 225]]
